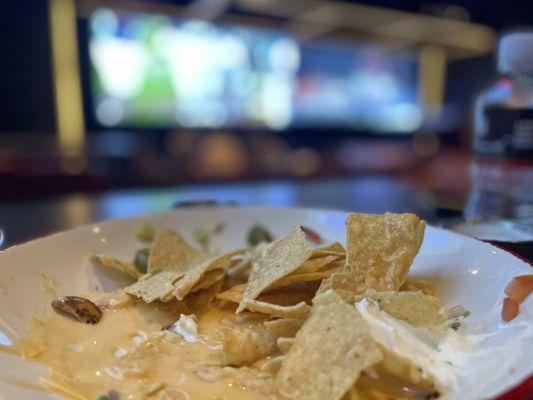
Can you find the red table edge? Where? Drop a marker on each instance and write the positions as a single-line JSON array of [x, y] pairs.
[[524, 391]]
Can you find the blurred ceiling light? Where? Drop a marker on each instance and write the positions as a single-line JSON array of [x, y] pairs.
[[426, 144], [110, 112], [276, 101], [284, 55], [406, 117], [65, 67], [219, 155], [199, 27], [201, 76], [303, 162], [211, 115], [232, 53], [375, 85], [104, 22], [121, 65], [137, 30]]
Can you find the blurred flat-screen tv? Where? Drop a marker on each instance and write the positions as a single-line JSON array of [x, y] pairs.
[[150, 71]]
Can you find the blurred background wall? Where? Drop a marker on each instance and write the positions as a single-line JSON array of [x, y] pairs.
[[104, 94]]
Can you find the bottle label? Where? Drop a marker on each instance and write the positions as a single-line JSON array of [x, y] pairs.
[[508, 133]]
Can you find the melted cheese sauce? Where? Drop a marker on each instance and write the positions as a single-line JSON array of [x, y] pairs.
[[130, 353], [127, 351]]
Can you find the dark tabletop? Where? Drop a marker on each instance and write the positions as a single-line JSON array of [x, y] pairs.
[[22, 221]]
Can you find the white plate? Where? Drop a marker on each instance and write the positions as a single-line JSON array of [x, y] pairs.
[[466, 272]]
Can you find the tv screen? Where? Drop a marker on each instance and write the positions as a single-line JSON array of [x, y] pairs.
[[153, 71]]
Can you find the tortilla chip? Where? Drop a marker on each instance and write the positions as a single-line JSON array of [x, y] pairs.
[[115, 300], [334, 246], [239, 272], [284, 327], [280, 259], [284, 344], [258, 339], [347, 284], [299, 278], [202, 299], [333, 249], [414, 308], [111, 262], [353, 394], [296, 311], [244, 346], [329, 353], [317, 264], [209, 279], [382, 247], [418, 285], [286, 296], [170, 252], [271, 365], [233, 294], [194, 275], [155, 287], [291, 295]]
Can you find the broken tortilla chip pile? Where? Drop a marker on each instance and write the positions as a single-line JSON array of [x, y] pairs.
[[319, 308]]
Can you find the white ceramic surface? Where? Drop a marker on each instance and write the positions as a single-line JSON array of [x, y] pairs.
[[466, 272]]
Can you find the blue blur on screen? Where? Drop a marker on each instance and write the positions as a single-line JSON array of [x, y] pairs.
[[150, 71]]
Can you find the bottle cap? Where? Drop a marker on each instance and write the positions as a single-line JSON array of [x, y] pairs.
[[515, 53]]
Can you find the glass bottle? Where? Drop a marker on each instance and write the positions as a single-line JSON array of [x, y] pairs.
[[502, 166]]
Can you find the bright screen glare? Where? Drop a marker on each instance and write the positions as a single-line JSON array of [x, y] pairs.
[[153, 71]]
